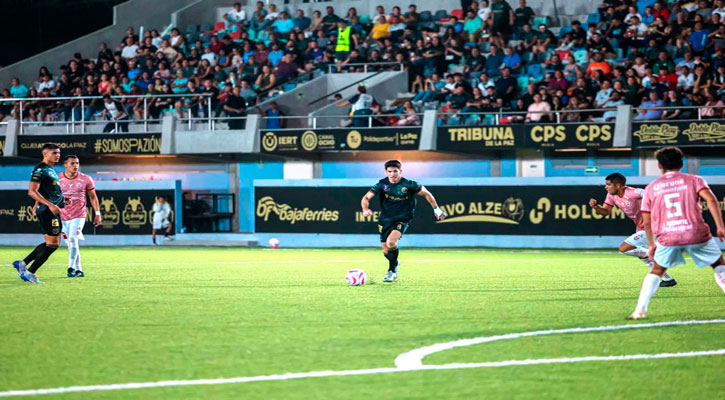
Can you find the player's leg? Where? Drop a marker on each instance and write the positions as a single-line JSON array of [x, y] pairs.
[[709, 253], [636, 246], [153, 235], [665, 257], [392, 244], [76, 236]]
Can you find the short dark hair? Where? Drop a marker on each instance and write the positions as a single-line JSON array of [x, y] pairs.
[[670, 158], [361, 89], [49, 146], [392, 163], [616, 178], [68, 157]]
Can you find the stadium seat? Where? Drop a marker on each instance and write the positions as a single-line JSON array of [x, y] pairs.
[[523, 81], [192, 28], [580, 56], [364, 19], [440, 15], [289, 87], [205, 28], [593, 18], [535, 71], [564, 30], [236, 35], [541, 20], [426, 16], [219, 26]]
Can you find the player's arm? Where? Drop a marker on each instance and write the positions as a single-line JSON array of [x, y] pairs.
[[440, 215], [365, 203], [35, 195], [714, 206], [93, 197], [601, 210]]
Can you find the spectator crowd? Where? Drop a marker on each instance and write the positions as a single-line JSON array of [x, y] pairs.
[[467, 63]]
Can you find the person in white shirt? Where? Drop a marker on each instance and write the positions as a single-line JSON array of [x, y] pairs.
[[685, 78], [236, 15], [484, 11], [161, 221], [129, 50], [47, 83], [719, 9], [632, 13]]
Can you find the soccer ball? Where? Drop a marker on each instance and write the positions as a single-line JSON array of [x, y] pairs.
[[356, 277], [274, 243]]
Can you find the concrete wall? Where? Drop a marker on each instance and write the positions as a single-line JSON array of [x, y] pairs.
[[151, 14]]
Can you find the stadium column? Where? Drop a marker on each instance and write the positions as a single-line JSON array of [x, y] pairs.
[[11, 138], [301, 169], [530, 164]]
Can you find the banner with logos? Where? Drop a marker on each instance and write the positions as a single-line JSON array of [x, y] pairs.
[[115, 143], [472, 139], [678, 133], [479, 210], [338, 139], [123, 212]]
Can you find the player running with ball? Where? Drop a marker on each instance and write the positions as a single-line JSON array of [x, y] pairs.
[[673, 221], [397, 201], [629, 200]]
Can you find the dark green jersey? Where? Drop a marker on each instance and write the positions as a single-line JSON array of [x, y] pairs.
[[45, 175], [396, 201]]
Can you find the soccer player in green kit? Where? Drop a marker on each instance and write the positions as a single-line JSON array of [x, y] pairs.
[[397, 200], [45, 189]]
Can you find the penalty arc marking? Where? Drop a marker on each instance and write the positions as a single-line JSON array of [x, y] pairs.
[[408, 362]]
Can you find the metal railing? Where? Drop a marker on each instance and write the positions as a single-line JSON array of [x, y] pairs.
[[71, 125], [312, 121], [520, 116], [339, 67], [699, 109]]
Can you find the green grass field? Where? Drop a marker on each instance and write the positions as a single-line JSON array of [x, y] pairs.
[[145, 315]]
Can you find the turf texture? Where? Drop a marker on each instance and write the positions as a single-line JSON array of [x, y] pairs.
[[143, 315]]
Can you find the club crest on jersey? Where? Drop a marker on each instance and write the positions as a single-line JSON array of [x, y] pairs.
[[404, 190], [386, 188]]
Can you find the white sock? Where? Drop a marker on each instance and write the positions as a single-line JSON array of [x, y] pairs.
[[640, 252], [649, 264], [77, 263], [720, 276], [649, 288], [72, 251]]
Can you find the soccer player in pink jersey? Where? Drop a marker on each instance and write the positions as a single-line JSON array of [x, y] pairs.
[[629, 200], [673, 221], [75, 185]]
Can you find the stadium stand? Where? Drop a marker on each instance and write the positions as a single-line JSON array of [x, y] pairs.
[[489, 57]]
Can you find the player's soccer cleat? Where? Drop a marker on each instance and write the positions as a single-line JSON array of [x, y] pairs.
[[670, 283], [392, 275], [20, 267], [30, 277], [80, 274], [637, 315], [71, 273]]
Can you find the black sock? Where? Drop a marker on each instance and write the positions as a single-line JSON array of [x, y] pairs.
[[42, 258], [392, 257], [33, 254]]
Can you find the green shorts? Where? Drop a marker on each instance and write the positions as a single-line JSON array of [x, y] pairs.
[[49, 223], [389, 227]]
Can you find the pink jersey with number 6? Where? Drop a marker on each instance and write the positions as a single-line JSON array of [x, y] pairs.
[[674, 204], [630, 204], [74, 191]]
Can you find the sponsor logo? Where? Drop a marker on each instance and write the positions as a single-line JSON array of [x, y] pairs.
[[709, 132], [493, 136], [510, 211], [591, 135], [354, 139], [309, 140], [141, 145], [109, 213], [267, 206], [2, 145], [568, 211], [269, 141], [61, 145], [663, 133], [134, 213]]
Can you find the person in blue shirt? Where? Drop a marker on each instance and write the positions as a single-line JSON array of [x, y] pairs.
[[144, 82], [283, 24], [18, 90], [301, 22], [133, 70], [179, 85], [699, 38], [512, 60], [273, 120], [646, 113], [275, 55], [456, 24], [494, 61]]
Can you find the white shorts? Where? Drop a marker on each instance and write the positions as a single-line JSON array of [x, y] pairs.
[[161, 225], [638, 239], [702, 254], [73, 228]]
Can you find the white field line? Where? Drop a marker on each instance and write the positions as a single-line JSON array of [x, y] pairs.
[[414, 358], [322, 261], [321, 374]]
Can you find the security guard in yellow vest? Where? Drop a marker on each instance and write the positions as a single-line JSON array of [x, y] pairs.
[[345, 38]]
